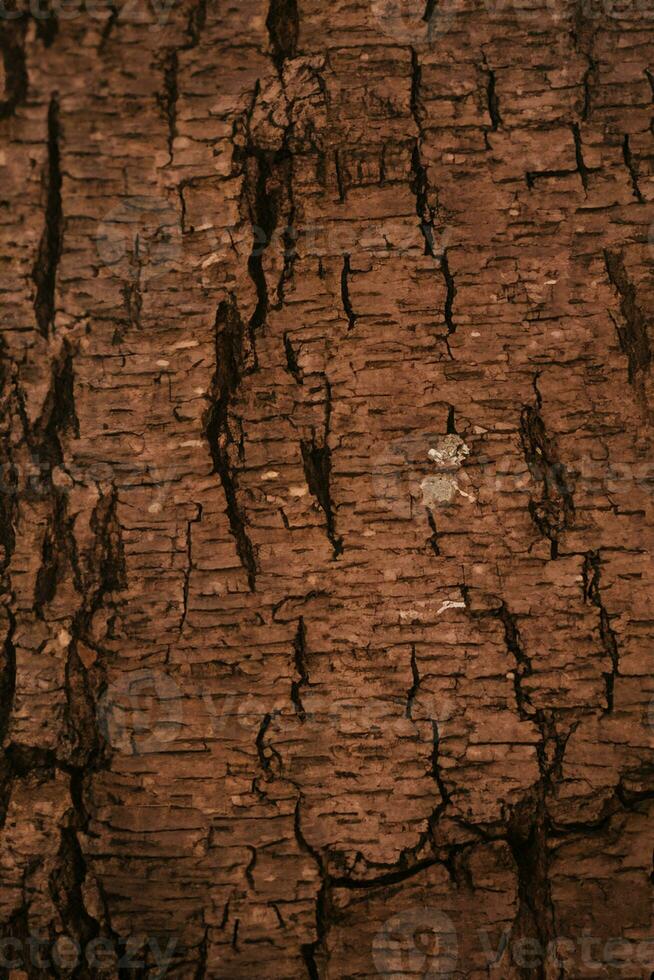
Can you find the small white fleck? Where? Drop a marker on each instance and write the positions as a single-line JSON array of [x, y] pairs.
[[451, 604], [269, 475]]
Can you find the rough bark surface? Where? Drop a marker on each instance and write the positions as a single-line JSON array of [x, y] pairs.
[[326, 504]]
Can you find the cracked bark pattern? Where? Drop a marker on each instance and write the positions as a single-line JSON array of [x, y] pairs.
[[255, 696]]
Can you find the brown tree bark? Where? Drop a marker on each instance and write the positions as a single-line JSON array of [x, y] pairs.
[[326, 504]]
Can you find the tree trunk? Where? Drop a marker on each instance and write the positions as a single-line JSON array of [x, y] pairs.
[[326, 491]]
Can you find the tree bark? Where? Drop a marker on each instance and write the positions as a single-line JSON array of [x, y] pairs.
[[326, 504]]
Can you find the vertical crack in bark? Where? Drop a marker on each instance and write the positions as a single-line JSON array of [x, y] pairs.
[[582, 169], [292, 361], [554, 512], [527, 838], [412, 693], [105, 573], [591, 573], [66, 888], [631, 167], [189, 565], [203, 957], [523, 666], [583, 38], [317, 460], [346, 272], [232, 346], [16, 81], [633, 334], [527, 826], [432, 540], [492, 100], [131, 293], [437, 774], [451, 292], [266, 752], [7, 694], [302, 670], [315, 952], [168, 99], [44, 272], [58, 418], [419, 179], [283, 24], [340, 181]]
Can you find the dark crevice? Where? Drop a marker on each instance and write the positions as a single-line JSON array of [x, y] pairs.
[[533, 175], [266, 753], [291, 360], [203, 955], [283, 24], [523, 667], [591, 573], [44, 272], [300, 661], [58, 556], [583, 32], [426, 213], [433, 538], [170, 95], [12, 50], [251, 865], [582, 169], [66, 888], [233, 350], [492, 101], [451, 292], [431, 6], [313, 953], [108, 27], [554, 511], [7, 675], [317, 461], [189, 565], [527, 838], [633, 334], [412, 693], [419, 180], [340, 182], [436, 771], [631, 167], [345, 293]]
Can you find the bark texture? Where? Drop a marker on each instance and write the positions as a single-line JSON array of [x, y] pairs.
[[326, 505]]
